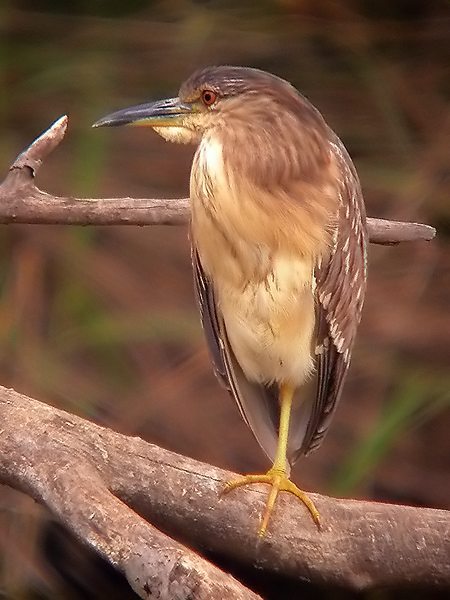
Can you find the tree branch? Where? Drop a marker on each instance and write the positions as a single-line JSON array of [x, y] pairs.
[[55, 460], [91, 478], [22, 202]]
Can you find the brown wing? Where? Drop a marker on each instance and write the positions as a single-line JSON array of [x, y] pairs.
[[340, 289]]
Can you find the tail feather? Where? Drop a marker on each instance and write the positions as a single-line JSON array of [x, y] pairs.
[[260, 408]]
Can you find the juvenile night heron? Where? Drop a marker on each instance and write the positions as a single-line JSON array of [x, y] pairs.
[[279, 252]]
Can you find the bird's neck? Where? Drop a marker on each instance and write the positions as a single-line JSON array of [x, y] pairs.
[[178, 135]]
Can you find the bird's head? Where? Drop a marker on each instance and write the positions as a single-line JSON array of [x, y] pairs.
[[214, 97]]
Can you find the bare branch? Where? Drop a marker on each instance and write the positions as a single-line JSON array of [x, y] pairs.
[[57, 465], [22, 202], [89, 477]]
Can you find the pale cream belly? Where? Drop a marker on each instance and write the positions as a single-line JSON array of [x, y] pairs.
[[270, 325]]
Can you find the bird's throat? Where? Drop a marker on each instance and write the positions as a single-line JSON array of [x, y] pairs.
[[177, 135]]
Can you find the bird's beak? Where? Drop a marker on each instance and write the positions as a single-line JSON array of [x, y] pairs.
[[162, 113]]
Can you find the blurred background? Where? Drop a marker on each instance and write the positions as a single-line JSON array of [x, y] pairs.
[[102, 321]]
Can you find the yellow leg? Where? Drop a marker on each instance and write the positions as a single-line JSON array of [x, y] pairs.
[[277, 475]]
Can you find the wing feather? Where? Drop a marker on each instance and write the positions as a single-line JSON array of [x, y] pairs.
[[340, 289]]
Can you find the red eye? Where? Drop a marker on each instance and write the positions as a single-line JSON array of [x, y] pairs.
[[208, 97]]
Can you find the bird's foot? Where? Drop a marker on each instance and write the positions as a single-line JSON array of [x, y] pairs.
[[280, 482]]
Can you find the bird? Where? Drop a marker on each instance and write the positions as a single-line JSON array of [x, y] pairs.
[[279, 242]]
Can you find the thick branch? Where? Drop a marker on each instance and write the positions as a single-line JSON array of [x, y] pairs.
[[22, 202], [90, 476], [56, 463]]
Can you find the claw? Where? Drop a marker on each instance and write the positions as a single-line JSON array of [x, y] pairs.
[[279, 482]]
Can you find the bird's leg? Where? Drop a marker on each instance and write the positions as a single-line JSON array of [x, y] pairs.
[[277, 475]]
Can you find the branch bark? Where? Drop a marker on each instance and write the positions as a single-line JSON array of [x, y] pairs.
[[22, 202], [97, 482]]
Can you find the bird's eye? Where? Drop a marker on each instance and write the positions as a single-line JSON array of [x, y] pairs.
[[208, 97]]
